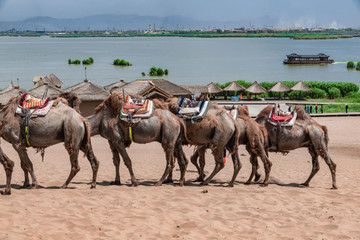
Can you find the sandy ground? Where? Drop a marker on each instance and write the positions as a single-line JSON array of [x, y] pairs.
[[283, 210]]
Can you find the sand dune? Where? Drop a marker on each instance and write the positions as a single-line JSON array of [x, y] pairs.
[[283, 210]]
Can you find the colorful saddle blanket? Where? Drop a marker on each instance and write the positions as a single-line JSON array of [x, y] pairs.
[[136, 109], [277, 117], [192, 110], [35, 106]]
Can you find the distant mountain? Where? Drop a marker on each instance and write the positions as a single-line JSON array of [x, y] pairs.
[[121, 23]]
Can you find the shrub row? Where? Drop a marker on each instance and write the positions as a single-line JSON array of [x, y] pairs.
[[88, 61]]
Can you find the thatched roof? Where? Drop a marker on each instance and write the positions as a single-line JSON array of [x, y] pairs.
[[115, 85], [300, 86], [234, 86], [49, 80], [144, 87], [255, 88], [5, 96], [88, 91], [196, 88], [213, 88], [11, 86], [279, 87], [51, 91]]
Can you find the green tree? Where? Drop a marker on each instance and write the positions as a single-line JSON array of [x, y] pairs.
[[350, 64], [166, 72], [358, 66], [334, 93]]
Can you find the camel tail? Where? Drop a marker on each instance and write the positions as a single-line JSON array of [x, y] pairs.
[[324, 128], [86, 139], [182, 135]]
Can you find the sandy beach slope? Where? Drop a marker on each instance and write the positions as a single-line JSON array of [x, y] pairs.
[[283, 210]]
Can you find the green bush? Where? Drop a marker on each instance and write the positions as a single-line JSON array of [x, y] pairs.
[[334, 93], [166, 72], [143, 74], [318, 93], [121, 62], [76, 61], [358, 66], [350, 64], [154, 71]]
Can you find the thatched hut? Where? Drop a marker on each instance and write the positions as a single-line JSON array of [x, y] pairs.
[[300, 86], [90, 95], [255, 88], [154, 88], [116, 85], [279, 87], [50, 80], [45, 91]]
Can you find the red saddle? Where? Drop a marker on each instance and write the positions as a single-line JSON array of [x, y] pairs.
[[28, 101], [280, 119]]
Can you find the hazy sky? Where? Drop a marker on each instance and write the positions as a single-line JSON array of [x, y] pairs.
[[292, 13]]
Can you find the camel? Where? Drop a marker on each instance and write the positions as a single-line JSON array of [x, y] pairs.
[[251, 134], [8, 166], [217, 131], [61, 124], [306, 132], [163, 127], [256, 143]]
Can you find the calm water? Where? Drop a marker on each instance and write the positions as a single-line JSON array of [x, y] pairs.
[[189, 60]]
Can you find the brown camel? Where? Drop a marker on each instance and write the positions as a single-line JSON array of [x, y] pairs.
[[256, 142], [163, 127], [251, 134], [217, 131], [61, 124], [8, 166], [306, 132]]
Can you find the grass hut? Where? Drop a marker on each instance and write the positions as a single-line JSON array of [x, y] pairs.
[[234, 87], [50, 80], [154, 88], [279, 87], [300, 86], [45, 91], [255, 88], [90, 95]]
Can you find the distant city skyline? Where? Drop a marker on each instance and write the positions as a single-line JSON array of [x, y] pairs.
[[259, 13]]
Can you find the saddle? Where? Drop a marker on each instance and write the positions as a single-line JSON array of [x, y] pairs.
[[192, 110], [33, 106], [135, 109], [279, 117]]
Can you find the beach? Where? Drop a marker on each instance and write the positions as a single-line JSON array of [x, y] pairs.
[[283, 210]]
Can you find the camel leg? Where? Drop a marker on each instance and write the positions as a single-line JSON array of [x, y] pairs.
[[182, 161], [219, 164], [121, 149], [332, 166], [116, 161], [254, 167], [315, 165], [8, 166], [237, 166], [94, 165], [200, 152], [267, 166], [26, 175], [169, 152], [27, 166], [75, 168]]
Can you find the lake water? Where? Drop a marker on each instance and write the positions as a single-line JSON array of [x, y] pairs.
[[189, 60]]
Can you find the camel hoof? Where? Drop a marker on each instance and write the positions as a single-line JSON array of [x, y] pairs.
[[257, 177], [264, 185], [134, 184], [158, 184], [204, 184], [64, 186], [248, 183], [116, 182], [6, 192], [231, 185], [181, 183], [305, 184], [25, 185], [93, 186], [34, 186], [334, 188], [168, 181]]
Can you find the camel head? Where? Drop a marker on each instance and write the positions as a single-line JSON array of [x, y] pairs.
[[72, 100], [264, 114], [173, 104]]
